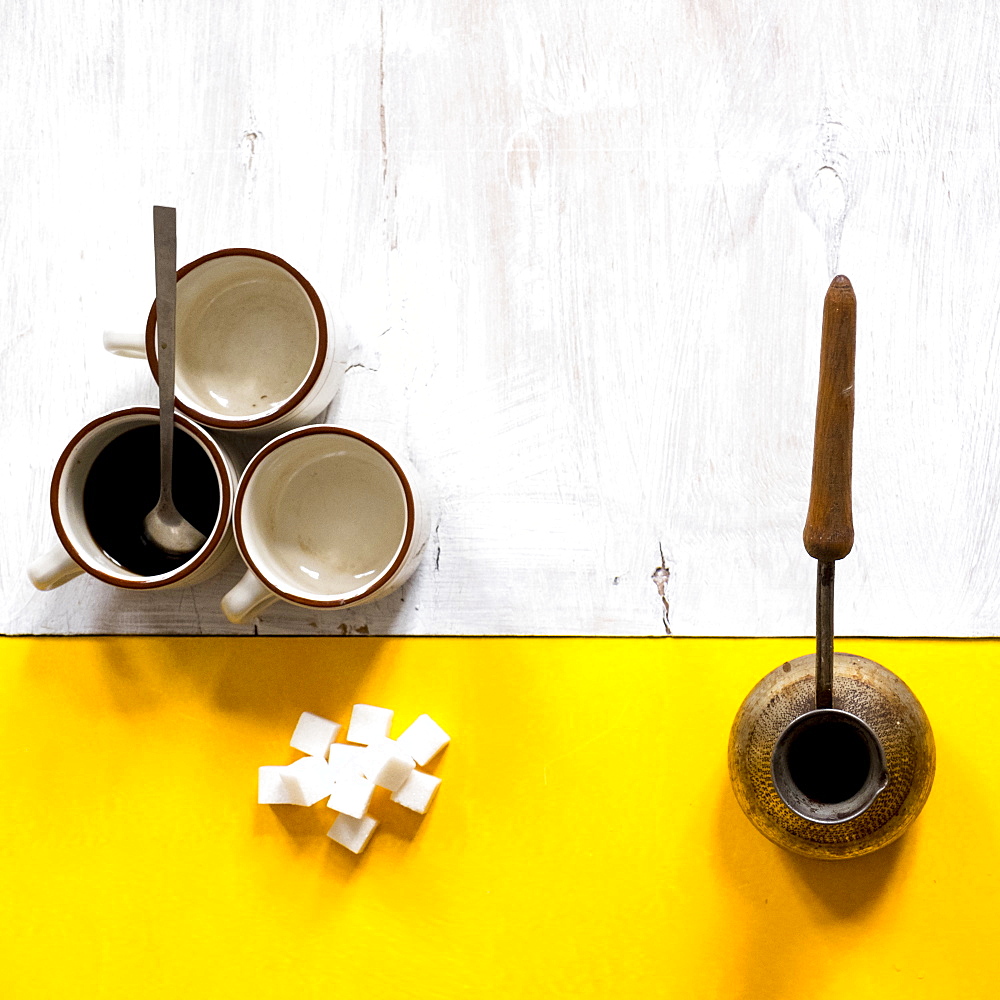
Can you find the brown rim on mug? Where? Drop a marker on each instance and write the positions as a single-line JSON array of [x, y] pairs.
[[241, 493], [225, 502], [243, 423]]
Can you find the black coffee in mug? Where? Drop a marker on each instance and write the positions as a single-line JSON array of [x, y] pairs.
[[123, 486]]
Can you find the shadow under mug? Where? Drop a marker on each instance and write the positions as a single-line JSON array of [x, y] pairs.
[[254, 352], [78, 552], [325, 518]]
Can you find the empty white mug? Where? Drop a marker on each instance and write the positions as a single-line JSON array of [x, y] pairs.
[[78, 551], [254, 351], [325, 518]]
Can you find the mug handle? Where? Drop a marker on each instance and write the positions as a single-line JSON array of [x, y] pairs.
[[125, 345], [247, 599], [53, 569]]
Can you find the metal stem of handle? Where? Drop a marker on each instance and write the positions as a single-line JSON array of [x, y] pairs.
[[824, 634]]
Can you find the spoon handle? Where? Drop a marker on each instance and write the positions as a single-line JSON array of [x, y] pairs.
[[165, 250], [829, 530]]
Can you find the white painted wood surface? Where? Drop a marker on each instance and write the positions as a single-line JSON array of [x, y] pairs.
[[576, 253]]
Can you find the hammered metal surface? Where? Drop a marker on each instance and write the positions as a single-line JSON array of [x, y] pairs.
[[876, 696]]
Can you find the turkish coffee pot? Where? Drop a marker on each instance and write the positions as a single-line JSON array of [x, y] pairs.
[[831, 756]]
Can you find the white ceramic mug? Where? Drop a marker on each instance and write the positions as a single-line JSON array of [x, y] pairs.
[[325, 518], [78, 552], [254, 352]]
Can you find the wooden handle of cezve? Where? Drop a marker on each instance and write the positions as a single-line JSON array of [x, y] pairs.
[[829, 531]]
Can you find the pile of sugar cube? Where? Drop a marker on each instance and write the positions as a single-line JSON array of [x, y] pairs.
[[346, 774]]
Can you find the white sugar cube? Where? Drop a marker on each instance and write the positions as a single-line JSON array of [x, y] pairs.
[[422, 739], [352, 833], [343, 757], [368, 723], [351, 794], [314, 734], [311, 776], [273, 790], [384, 763], [417, 792]]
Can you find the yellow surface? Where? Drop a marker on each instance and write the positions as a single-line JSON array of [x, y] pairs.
[[584, 843]]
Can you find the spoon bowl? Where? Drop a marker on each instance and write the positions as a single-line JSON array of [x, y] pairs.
[[168, 530]]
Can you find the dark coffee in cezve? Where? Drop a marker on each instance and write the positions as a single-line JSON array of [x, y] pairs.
[[123, 486]]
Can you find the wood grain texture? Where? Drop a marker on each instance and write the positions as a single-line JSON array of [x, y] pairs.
[[575, 255]]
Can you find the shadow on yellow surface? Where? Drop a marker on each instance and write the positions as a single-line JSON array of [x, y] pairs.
[[233, 676], [780, 897], [585, 842]]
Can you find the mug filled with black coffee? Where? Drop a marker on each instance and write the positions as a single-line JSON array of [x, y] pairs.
[[106, 481]]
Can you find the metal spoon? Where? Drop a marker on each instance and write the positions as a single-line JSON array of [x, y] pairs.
[[165, 527]]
